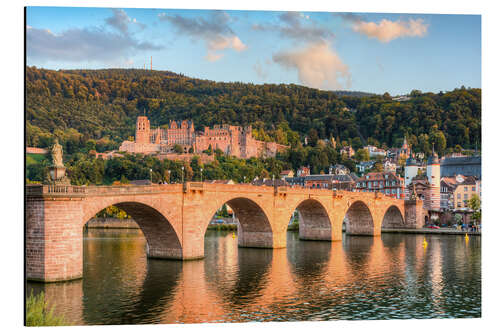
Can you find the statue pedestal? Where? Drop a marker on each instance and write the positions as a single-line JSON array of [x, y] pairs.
[[57, 175]]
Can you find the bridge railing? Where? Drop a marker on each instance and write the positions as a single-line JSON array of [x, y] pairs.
[[74, 190], [38, 189]]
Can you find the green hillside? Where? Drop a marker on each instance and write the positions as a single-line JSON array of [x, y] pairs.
[[97, 109]]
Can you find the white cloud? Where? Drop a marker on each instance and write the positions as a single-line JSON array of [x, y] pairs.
[[214, 30], [222, 42], [318, 66], [120, 21], [297, 26], [386, 30], [88, 44], [82, 45]]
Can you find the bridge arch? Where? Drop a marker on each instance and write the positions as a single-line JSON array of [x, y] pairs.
[[162, 239], [254, 225], [359, 219], [314, 222], [393, 218]]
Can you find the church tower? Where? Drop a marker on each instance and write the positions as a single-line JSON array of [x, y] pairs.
[[142, 130], [434, 177]]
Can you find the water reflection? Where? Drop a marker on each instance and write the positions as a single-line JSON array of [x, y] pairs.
[[392, 276]]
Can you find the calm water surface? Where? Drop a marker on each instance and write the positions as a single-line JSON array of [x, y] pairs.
[[385, 277]]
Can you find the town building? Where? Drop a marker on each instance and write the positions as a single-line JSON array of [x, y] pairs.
[[389, 166], [374, 151], [269, 182], [364, 166], [344, 182], [466, 166], [387, 183], [303, 171], [286, 173], [457, 191], [35, 150], [232, 140], [106, 155], [338, 169], [404, 151], [347, 150]]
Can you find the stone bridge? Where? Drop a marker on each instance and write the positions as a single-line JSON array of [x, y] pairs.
[[174, 218]]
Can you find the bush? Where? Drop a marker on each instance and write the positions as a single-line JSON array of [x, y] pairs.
[[38, 313]]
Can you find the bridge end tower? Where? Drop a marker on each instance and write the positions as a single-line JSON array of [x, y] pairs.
[[414, 214]]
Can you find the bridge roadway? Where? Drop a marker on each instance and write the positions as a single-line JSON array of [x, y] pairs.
[[174, 218]]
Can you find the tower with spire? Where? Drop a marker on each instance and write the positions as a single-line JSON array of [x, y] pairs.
[[434, 178]]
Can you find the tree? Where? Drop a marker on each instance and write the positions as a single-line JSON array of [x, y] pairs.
[[178, 149], [362, 155], [313, 137], [378, 167], [223, 211], [474, 203], [356, 143], [439, 140]]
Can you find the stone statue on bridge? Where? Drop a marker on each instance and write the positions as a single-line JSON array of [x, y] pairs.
[[56, 153], [57, 171]]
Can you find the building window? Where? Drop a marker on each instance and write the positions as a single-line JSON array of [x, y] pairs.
[[466, 196], [466, 188], [473, 189], [459, 196]]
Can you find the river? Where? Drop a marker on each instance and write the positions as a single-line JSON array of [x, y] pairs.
[[387, 277]]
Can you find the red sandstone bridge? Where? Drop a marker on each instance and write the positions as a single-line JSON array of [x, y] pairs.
[[174, 218]]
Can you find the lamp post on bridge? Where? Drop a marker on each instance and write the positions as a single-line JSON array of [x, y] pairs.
[[151, 175], [182, 174], [169, 181], [201, 174]]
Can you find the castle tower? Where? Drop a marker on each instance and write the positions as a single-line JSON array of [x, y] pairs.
[[142, 130], [434, 177]]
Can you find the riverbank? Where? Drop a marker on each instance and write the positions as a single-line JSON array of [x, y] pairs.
[[222, 227], [111, 223], [441, 231]]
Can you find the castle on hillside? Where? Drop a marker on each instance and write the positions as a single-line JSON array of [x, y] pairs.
[[232, 140]]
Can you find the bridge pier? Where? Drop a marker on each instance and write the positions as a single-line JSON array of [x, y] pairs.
[[255, 239], [414, 214], [54, 243]]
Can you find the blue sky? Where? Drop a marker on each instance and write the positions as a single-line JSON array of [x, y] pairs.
[[333, 51]]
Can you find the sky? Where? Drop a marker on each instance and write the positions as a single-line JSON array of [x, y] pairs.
[[368, 52]]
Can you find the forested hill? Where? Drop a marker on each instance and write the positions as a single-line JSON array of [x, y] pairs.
[[78, 105]]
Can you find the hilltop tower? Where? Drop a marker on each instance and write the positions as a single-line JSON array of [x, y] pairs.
[[142, 130], [434, 177]]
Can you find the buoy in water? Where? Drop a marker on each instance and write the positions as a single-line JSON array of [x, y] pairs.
[[466, 237], [424, 243], [234, 236]]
